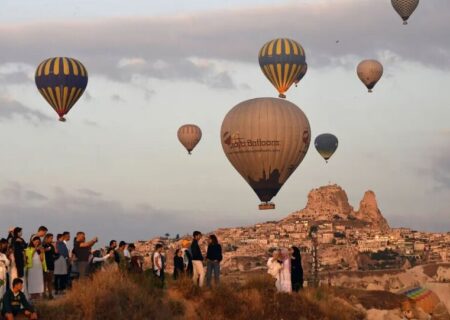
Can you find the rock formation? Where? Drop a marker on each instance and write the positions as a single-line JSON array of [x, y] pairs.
[[330, 203]]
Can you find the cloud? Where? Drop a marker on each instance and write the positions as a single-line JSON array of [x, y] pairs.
[[164, 47], [89, 211], [10, 108], [440, 169]]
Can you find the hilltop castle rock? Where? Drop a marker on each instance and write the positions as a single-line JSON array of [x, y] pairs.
[[330, 203], [369, 212]]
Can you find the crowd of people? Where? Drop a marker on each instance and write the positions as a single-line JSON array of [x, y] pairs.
[[44, 266]]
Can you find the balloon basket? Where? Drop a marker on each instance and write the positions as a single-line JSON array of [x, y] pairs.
[[405, 23], [282, 96], [267, 206], [62, 119], [370, 91]]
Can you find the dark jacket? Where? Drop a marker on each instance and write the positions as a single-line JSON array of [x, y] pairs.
[[196, 252], [15, 304], [178, 266], [50, 256], [214, 252], [19, 246]]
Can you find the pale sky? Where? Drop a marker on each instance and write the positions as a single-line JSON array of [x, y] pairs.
[[116, 168]]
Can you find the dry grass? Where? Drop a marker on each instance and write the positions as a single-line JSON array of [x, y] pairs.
[[112, 295]]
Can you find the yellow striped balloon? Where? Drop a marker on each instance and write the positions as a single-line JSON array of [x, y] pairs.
[[281, 60], [61, 81]]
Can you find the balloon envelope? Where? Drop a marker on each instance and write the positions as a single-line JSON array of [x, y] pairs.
[[265, 139], [369, 72], [405, 8], [189, 136], [326, 144], [302, 73], [422, 297], [61, 81], [281, 61]]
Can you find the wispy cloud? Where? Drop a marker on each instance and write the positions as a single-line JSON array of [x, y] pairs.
[[163, 47], [10, 108]]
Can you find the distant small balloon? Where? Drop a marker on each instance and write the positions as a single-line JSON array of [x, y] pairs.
[[370, 72], [405, 8], [189, 136], [326, 144]]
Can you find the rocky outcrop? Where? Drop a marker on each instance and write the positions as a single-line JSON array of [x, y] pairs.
[[330, 203], [369, 212]]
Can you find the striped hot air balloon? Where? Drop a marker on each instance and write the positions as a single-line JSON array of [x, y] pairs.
[[281, 61], [265, 139], [189, 135], [61, 81], [422, 298], [302, 73]]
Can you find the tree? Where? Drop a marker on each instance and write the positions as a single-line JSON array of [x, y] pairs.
[[177, 237], [167, 235]]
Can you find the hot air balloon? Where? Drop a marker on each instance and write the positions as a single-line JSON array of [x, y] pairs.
[[369, 72], [281, 61], [265, 139], [189, 135], [61, 81], [302, 73], [422, 298], [405, 8], [326, 144]]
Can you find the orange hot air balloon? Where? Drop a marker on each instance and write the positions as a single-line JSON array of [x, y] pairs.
[[369, 72], [189, 135], [265, 139]]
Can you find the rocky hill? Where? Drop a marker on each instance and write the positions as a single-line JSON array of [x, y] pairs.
[[330, 203]]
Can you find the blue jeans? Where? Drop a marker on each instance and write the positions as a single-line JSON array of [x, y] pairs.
[[212, 267]]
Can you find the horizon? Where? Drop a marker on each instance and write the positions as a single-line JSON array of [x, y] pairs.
[[116, 167]]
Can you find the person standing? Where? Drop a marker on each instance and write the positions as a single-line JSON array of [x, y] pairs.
[[15, 303], [50, 257], [197, 260], [213, 259], [274, 267], [296, 269], [66, 239], [285, 273], [178, 264], [137, 260], [61, 264], [42, 231], [19, 246], [82, 251], [158, 264], [187, 258], [4, 264], [36, 266], [123, 261]]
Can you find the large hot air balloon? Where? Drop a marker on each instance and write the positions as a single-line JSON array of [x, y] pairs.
[[326, 144], [302, 73], [189, 135], [281, 61], [265, 140], [61, 81], [369, 72], [405, 8]]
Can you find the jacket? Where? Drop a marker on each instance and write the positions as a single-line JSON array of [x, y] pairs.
[[196, 252], [29, 252]]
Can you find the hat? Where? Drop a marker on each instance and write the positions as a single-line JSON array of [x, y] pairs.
[[185, 243]]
